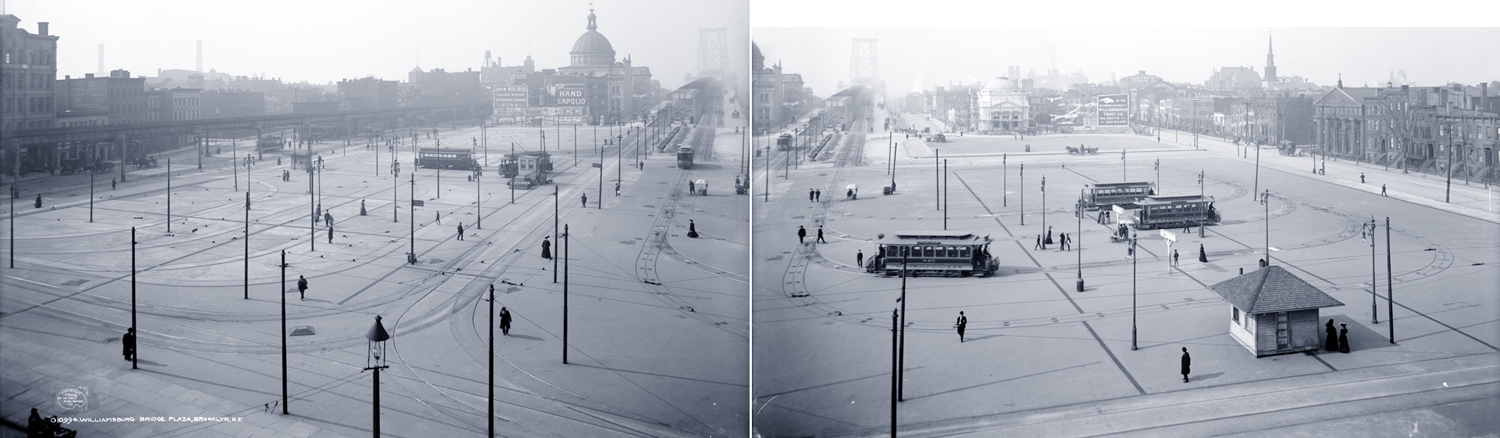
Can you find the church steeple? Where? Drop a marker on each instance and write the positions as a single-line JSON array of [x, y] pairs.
[[1270, 61]]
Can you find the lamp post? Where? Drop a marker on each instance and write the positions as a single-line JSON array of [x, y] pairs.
[[901, 354], [945, 195], [412, 217], [1022, 191], [247, 239], [1157, 167], [395, 176], [1080, 234], [895, 382], [1123, 173], [1044, 205], [375, 360], [490, 424], [564, 254], [1004, 172], [91, 195], [937, 184], [1200, 196], [169, 195], [1265, 201], [1390, 311]]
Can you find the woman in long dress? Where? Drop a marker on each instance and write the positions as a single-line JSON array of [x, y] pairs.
[[547, 247]]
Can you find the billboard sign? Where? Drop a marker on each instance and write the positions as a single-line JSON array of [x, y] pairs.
[[1113, 109], [569, 95], [509, 96]]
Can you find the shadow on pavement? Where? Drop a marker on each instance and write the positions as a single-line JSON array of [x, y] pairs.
[[619, 370], [1000, 381], [529, 338]]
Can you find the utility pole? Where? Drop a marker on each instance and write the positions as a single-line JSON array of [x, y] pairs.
[[565, 254], [412, 217], [1004, 176], [283, 334], [1080, 234], [937, 182], [1448, 187], [312, 220], [1044, 205], [894, 368], [945, 195], [1369, 230], [169, 195], [1022, 190], [901, 355], [555, 192], [247, 242], [1390, 291], [490, 425], [135, 355], [1133, 257]]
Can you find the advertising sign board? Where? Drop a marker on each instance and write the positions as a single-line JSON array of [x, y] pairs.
[[1113, 109]]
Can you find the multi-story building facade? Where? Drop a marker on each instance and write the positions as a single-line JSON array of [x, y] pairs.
[[29, 64], [369, 93], [777, 95], [122, 97], [1002, 107], [176, 104], [443, 88], [218, 104], [1428, 129]]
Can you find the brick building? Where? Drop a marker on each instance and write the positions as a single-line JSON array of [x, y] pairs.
[[122, 97]]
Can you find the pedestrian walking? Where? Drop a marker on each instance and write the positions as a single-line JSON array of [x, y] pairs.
[[820, 235], [1038, 245], [692, 229], [112, 184], [585, 200], [1187, 229], [1382, 190], [504, 321], [1047, 241], [691, 190], [128, 343], [859, 258], [301, 287], [1343, 338], [963, 322], [818, 195], [38, 200], [809, 195], [1331, 340], [547, 247], [1187, 365], [801, 234], [617, 189], [330, 233], [460, 231], [1174, 257], [1202, 255], [437, 217], [328, 217], [1361, 177]]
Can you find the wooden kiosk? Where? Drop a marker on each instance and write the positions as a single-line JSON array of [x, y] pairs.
[[1274, 312]]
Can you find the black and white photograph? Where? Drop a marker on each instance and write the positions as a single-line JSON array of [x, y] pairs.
[[792, 218], [1145, 227], [327, 219]]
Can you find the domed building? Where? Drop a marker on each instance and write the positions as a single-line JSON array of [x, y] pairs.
[[1003, 106], [594, 87]]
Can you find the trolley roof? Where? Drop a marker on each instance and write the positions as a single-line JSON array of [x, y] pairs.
[[1161, 200], [448, 150], [911, 237], [1123, 184]]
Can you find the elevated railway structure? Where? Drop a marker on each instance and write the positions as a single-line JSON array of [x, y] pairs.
[[45, 150]]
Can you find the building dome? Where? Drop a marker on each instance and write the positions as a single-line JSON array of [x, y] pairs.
[[1001, 85], [592, 48]]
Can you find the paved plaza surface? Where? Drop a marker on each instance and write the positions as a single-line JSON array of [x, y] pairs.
[[1041, 359], [658, 322]]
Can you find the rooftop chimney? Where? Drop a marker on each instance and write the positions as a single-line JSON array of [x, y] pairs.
[[41, 28], [200, 56]]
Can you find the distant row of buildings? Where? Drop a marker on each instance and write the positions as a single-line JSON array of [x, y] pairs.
[[779, 97]]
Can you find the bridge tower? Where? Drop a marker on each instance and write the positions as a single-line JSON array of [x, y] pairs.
[[864, 65], [713, 51]]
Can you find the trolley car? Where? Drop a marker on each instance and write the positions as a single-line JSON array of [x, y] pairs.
[[1175, 211], [1124, 194], [270, 143], [446, 158], [530, 169], [685, 157], [784, 142], [935, 253]]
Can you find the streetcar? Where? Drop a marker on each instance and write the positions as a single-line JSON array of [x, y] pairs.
[[933, 253], [685, 157], [531, 169], [507, 167], [270, 143], [784, 142], [446, 158], [1175, 211], [1124, 194]]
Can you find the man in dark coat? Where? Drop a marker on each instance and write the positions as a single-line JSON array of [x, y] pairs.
[[820, 235], [504, 321], [963, 322], [585, 200], [1174, 257], [1343, 338], [1331, 341], [1038, 245], [547, 247], [38, 200], [328, 217], [1187, 362], [301, 287], [1202, 255], [35, 425], [859, 258], [818, 194], [330, 234], [801, 233], [460, 231], [128, 343], [809, 195]]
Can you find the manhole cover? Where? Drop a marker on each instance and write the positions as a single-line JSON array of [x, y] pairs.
[[74, 282], [303, 330]]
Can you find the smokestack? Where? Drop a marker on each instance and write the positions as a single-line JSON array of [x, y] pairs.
[[41, 28], [101, 60], [200, 56]]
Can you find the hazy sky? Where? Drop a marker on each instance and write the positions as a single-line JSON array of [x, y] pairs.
[[912, 58], [327, 40]]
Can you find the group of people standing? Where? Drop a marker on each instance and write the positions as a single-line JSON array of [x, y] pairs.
[[1337, 340]]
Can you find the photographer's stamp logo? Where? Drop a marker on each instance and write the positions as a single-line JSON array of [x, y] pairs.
[[72, 398]]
